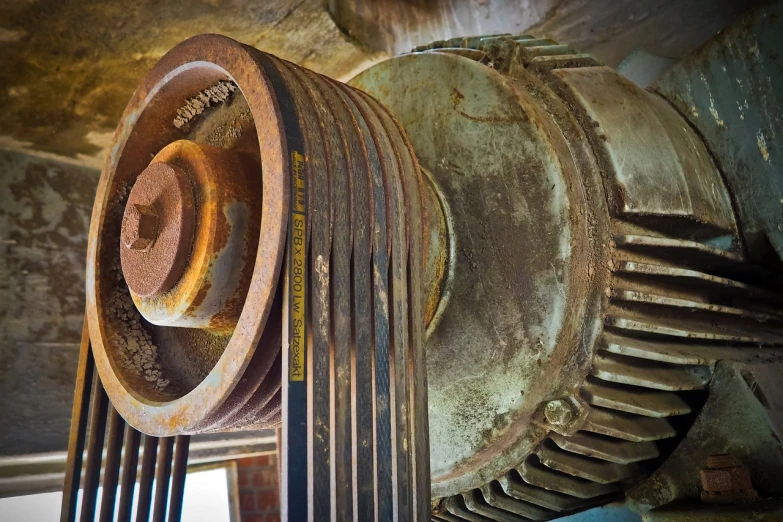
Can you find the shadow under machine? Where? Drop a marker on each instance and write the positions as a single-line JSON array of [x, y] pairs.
[[491, 279]]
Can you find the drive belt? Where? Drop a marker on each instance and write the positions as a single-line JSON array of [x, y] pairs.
[[354, 418]]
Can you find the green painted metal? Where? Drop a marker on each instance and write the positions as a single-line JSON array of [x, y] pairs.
[[731, 92]]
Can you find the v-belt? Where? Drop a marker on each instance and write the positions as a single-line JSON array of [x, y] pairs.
[[354, 426]]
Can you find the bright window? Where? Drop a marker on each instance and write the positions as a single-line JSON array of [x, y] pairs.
[[206, 498]]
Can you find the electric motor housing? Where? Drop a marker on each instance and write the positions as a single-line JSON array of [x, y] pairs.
[[597, 273]]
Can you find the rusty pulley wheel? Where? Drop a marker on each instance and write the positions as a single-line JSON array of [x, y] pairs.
[[289, 293], [203, 366]]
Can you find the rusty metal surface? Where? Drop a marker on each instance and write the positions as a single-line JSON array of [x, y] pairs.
[[553, 181], [157, 229], [150, 408], [725, 480], [218, 252], [729, 91], [438, 251]]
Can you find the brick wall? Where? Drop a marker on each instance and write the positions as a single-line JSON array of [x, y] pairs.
[[259, 499]]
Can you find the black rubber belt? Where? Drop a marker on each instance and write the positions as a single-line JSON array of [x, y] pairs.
[[354, 433]]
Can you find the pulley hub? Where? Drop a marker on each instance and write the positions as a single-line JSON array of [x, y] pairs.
[[201, 206]]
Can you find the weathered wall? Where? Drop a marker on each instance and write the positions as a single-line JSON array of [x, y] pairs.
[[45, 209]]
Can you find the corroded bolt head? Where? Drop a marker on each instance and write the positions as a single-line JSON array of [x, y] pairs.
[[157, 229], [726, 479], [723, 460], [140, 227], [558, 412], [725, 473]]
